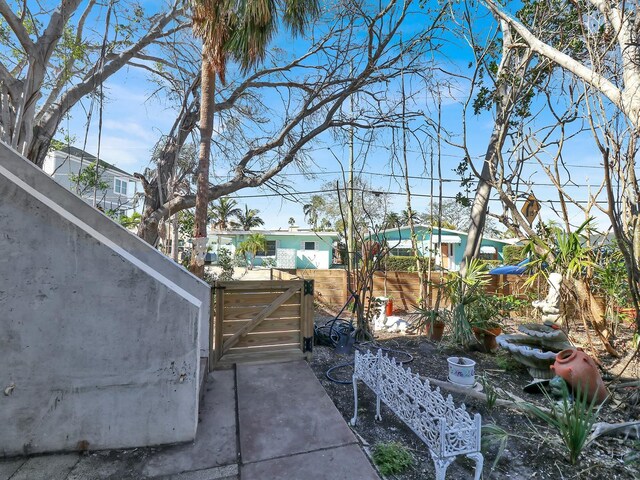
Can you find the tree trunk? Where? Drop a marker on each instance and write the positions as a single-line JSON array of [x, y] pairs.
[[202, 193], [481, 200]]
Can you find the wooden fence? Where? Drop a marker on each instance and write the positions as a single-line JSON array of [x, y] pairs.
[[402, 287], [262, 320]]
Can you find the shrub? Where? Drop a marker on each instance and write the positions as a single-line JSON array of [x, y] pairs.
[[513, 254], [392, 458], [403, 264]]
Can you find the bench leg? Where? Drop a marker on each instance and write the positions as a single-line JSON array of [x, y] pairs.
[[354, 420], [479, 459], [441, 465], [378, 416]]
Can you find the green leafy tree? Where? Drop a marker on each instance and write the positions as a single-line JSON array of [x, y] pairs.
[[249, 218], [88, 179], [131, 221], [256, 242], [222, 211], [185, 222], [312, 211], [392, 220]]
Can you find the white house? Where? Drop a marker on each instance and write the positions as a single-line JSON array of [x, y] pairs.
[[121, 187]]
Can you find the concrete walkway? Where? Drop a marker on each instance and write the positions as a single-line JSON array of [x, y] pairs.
[[283, 427]]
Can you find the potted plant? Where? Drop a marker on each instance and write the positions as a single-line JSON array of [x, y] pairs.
[[462, 291], [462, 371], [485, 318], [430, 321]]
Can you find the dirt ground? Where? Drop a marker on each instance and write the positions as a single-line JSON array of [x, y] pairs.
[[533, 450]]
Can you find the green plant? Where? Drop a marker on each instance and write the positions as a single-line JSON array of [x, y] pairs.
[[392, 458], [633, 457], [403, 264], [462, 291], [490, 392], [89, 178], [506, 362], [513, 254], [573, 420], [485, 312], [226, 263], [253, 244], [492, 434], [423, 318]]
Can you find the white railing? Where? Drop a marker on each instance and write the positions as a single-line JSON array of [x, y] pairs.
[[448, 431]]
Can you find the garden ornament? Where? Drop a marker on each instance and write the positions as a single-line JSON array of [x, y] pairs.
[[550, 306]]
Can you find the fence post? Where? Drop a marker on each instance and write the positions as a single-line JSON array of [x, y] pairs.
[[306, 320], [212, 316]]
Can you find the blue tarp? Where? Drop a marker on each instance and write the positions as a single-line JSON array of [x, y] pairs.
[[518, 269]]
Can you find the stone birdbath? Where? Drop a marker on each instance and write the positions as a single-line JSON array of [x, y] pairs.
[[537, 345]]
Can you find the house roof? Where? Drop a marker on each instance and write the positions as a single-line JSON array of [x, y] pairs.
[[298, 233], [79, 153], [448, 231]]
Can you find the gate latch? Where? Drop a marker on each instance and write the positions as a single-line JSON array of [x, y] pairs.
[[308, 344]]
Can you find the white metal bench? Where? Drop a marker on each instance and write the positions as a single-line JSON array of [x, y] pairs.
[[447, 431]]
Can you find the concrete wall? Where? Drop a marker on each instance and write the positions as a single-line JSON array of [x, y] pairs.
[[101, 334]]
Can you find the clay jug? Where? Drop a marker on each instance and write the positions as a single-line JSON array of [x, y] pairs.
[[579, 370]]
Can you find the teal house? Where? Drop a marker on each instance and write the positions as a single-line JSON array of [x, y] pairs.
[[287, 249], [447, 246]]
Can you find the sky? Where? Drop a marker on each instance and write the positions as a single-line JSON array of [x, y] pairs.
[[133, 123]]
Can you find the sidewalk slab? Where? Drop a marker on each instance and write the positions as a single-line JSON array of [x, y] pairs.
[[9, 467], [341, 463], [47, 467], [215, 444], [283, 410], [230, 472]]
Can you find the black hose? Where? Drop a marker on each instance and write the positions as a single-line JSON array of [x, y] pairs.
[[350, 364]]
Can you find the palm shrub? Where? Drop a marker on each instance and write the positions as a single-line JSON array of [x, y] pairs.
[[573, 420], [462, 291], [254, 243]]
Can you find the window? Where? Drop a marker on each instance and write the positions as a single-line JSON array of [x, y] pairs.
[[120, 186], [271, 250], [309, 245]]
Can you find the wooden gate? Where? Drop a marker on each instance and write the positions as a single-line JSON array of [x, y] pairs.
[[261, 321]]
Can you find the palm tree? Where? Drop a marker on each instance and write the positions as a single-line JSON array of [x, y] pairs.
[[221, 211], [249, 218], [312, 211], [392, 220], [404, 217], [243, 30], [256, 242]]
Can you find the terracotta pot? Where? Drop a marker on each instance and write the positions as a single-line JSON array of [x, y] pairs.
[[580, 371], [487, 336], [436, 332], [388, 309]]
